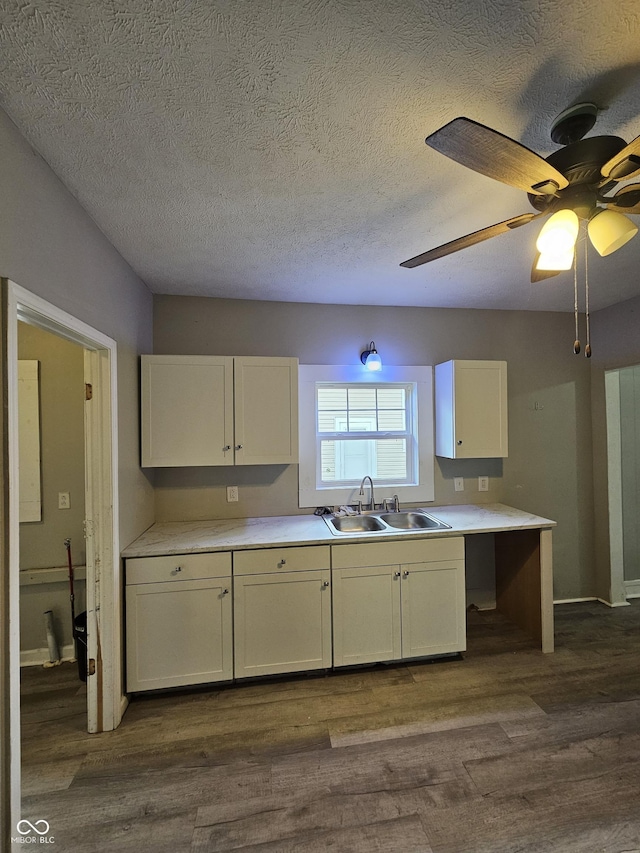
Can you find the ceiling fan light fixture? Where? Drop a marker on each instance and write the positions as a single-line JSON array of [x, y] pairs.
[[559, 234], [559, 261], [609, 230]]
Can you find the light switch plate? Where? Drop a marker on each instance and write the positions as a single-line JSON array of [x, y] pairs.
[[458, 484]]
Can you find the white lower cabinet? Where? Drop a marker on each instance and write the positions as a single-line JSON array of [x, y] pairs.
[[384, 610], [179, 621], [282, 610], [188, 623]]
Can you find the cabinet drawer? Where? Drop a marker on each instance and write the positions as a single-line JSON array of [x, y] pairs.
[[268, 560], [179, 567], [395, 553]]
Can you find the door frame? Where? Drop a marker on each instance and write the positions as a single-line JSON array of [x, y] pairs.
[[106, 701], [617, 593]]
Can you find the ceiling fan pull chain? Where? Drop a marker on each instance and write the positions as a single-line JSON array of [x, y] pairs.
[[576, 343], [587, 349]]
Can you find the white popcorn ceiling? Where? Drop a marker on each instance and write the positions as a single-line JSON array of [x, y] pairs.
[[274, 149]]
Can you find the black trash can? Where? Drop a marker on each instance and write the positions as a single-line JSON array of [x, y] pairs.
[[80, 643]]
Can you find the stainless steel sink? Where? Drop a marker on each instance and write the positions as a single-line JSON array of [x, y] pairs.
[[384, 522], [355, 523], [412, 520]]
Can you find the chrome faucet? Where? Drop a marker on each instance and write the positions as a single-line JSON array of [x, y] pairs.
[[361, 492]]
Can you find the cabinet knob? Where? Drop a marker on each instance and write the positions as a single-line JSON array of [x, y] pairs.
[[225, 592], [282, 563], [226, 447], [459, 442], [325, 584], [176, 570], [396, 574], [238, 447], [405, 574]]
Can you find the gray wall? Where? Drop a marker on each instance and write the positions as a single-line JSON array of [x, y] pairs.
[[62, 470], [548, 470], [61, 449], [50, 246]]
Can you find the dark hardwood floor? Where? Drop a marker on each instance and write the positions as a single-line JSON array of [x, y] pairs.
[[506, 750]]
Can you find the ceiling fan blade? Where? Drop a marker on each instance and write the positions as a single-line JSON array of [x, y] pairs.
[[486, 151], [625, 164], [625, 199], [471, 239], [540, 275]]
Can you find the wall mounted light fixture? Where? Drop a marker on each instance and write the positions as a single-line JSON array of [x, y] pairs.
[[370, 358]]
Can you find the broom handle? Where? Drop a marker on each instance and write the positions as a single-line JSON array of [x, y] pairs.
[[67, 545]]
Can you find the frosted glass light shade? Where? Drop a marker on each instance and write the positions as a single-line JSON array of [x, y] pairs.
[[373, 362], [609, 230], [558, 235], [561, 261]]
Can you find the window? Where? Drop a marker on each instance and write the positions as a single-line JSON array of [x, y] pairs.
[[364, 430], [354, 424]]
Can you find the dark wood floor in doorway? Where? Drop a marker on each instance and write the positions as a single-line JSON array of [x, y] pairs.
[[504, 751]]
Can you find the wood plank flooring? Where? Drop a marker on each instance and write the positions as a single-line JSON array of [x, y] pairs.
[[503, 751]]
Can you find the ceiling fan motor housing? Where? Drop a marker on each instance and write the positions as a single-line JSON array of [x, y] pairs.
[[580, 163]]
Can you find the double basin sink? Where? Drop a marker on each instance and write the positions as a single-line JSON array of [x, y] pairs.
[[384, 522]]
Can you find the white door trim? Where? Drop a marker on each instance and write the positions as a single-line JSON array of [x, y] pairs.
[[617, 594], [106, 701]]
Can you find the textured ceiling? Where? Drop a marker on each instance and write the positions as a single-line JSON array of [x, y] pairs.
[[274, 149]]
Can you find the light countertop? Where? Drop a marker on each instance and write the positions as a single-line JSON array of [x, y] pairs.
[[235, 534]]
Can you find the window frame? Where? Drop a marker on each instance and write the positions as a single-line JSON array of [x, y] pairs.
[[310, 493]]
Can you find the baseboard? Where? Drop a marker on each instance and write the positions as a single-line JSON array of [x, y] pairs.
[[40, 657], [632, 589], [595, 598], [574, 600]]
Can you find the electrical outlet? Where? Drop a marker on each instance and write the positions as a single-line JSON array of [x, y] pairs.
[[63, 500], [232, 494], [458, 484], [483, 484]]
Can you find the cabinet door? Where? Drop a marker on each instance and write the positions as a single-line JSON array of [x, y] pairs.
[[471, 409], [366, 615], [433, 608], [187, 410], [266, 411], [178, 633], [282, 622]]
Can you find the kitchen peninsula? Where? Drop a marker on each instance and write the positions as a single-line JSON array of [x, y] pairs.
[[251, 552]]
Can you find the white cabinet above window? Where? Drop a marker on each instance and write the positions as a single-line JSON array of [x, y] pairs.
[[471, 409], [218, 410]]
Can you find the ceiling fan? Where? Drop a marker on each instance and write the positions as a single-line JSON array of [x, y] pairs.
[[571, 184]]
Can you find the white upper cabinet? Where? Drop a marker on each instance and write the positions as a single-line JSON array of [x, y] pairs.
[[266, 410], [218, 410], [471, 409]]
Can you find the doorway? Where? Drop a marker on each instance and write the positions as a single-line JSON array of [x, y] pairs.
[[105, 698]]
